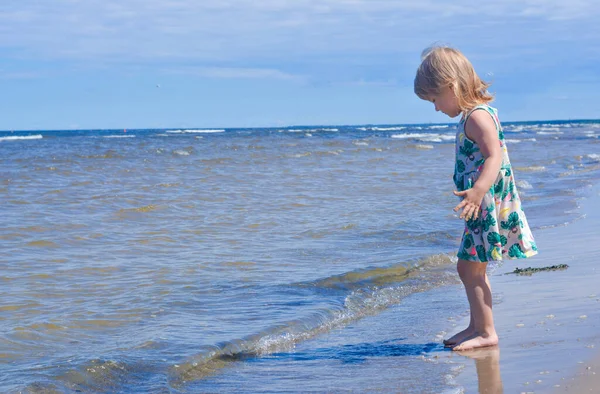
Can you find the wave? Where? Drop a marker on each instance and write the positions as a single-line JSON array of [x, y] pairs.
[[422, 146], [426, 137], [376, 128], [119, 136], [593, 157], [532, 168], [191, 131], [516, 141], [22, 137], [370, 292], [309, 130]]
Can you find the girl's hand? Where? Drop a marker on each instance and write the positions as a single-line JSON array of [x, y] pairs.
[[470, 203]]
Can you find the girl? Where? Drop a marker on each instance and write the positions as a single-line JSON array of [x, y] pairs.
[[495, 224]]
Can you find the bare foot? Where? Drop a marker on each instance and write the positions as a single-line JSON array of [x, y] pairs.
[[477, 342], [461, 336]]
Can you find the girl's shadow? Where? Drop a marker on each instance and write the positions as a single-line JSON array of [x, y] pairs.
[[358, 353]]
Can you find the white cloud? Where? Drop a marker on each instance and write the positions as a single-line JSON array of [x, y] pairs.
[[220, 33]]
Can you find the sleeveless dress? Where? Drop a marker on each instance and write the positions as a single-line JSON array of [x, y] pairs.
[[501, 229]]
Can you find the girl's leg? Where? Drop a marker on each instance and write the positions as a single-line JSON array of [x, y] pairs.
[[479, 294], [462, 268]]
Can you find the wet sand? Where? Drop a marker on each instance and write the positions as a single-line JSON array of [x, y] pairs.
[[587, 379], [549, 322]]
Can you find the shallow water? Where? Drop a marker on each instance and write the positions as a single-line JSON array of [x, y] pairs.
[[162, 260]]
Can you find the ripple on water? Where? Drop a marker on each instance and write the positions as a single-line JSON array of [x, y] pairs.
[[42, 244], [147, 208]]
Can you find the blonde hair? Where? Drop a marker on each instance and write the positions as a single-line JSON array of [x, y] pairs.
[[444, 66]]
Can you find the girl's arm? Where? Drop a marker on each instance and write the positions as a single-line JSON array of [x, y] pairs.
[[480, 127]]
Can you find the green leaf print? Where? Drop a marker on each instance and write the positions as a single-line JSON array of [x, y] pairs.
[[499, 186], [474, 224], [467, 244], [488, 222], [515, 251], [468, 241], [494, 239], [501, 135], [509, 190], [513, 223], [468, 149], [507, 172], [460, 183], [481, 253], [460, 166]]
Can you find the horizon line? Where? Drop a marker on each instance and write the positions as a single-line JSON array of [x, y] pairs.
[[291, 126]]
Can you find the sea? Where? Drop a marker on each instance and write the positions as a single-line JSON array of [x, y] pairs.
[[278, 259]]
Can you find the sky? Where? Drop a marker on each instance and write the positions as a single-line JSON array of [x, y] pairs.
[[95, 64]]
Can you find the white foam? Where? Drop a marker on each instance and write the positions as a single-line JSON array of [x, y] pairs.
[[543, 128], [533, 168], [426, 137], [516, 141], [411, 135], [513, 129], [438, 138], [306, 130], [22, 137], [524, 184], [594, 157], [195, 131], [119, 136], [549, 132], [386, 128]]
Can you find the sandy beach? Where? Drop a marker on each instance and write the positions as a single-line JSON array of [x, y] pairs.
[[549, 322], [587, 379]]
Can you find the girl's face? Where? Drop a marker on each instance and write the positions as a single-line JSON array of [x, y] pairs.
[[446, 102]]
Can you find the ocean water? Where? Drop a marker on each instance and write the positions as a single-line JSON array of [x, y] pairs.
[[244, 260]]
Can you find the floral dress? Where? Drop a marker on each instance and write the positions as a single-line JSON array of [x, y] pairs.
[[501, 229]]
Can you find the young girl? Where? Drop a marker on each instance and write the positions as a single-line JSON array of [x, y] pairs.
[[495, 224]]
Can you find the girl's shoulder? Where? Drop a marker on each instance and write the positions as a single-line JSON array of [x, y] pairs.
[[480, 110], [487, 108], [481, 117]]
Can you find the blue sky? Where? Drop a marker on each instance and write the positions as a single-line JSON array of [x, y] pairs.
[[71, 64]]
